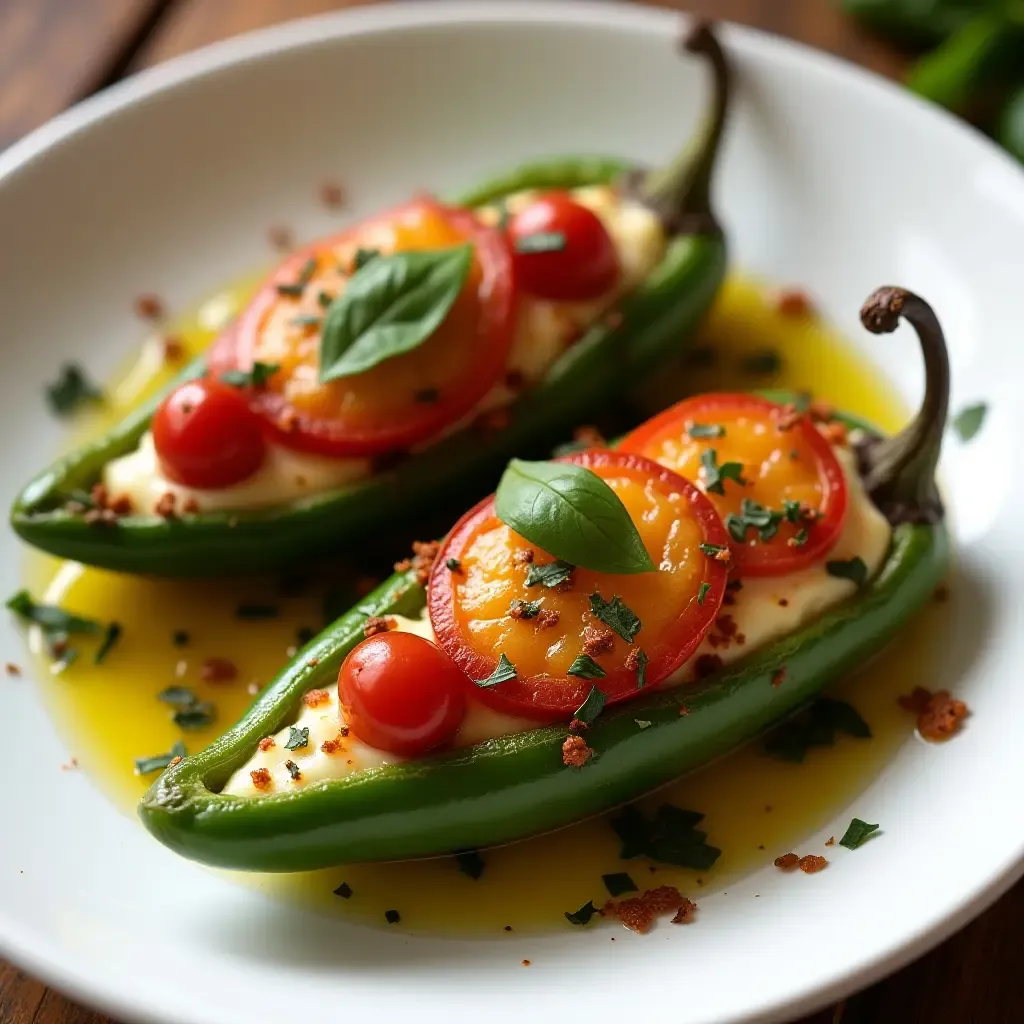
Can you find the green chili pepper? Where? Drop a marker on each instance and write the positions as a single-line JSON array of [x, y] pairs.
[[514, 786], [653, 321], [914, 22], [1010, 131]]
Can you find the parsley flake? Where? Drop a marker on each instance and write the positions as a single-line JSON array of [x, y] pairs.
[[816, 727], [856, 833], [592, 706], [969, 420], [503, 673], [178, 697], [583, 915], [362, 257], [712, 550], [616, 615], [853, 570], [158, 762], [551, 574], [754, 515], [524, 609], [198, 716], [672, 837], [584, 667], [703, 592], [56, 625], [540, 241], [700, 431], [71, 391], [470, 863], [297, 738], [110, 637], [619, 882], [716, 475], [392, 916], [641, 669], [257, 377], [294, 289], [344, 891]]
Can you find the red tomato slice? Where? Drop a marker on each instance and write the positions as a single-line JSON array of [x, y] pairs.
[[403, 400], [784, 458], [484, 609]]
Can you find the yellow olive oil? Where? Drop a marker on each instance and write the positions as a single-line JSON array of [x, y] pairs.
[[756, 807]]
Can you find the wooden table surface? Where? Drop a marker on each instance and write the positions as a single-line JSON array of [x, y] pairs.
[[54, 52]]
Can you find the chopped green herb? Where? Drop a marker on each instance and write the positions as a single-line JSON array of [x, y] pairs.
[[585, 667], [180, 638], [257, 611], [551, 574], [540, 241], [619, 882], [643, 723], [524, 609], [198, 716], [816, 727], [110, 637], [616, 615], [672, 837], [504, 672], [762, 363], [792, 511], [699, 431], [178, 697], [362, 257], [324, 299], [703, 592], [592, 706], [503, 215], [583, 915], [71, 390], [799, 539], [854, 570], [297, 738], [856, 833], [641, 669], [453, 565], [753, 515], [803, 401], [157, 763], [470, 863], [257, 377], [50, 617], [969, 421], [716, 475], [294, 289], [344, 891], [392, 916], [712, 550], [293, 770]]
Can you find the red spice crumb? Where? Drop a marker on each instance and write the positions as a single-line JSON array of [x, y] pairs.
[[835, 434], [149, 307], [597, 641], [578, 725], [523, 557], [190, 507], [812, 864], [683, 710], [313, 662], [589, 436], [260, 778], [515, 610], [789, 416], [174, 348], [684, 915], [526, 963], [726, 625], [280, 237], [288, 421], [941, 594], [547, 618], [122, 505], [633, 659], [315, 698], [98, 495], [575, 752], [217, 670], [821, 412], [778, 676], [741, 638], [11, 669], [638, 912], [331, 746], [175, 760], [783, 602], [70, 766], [831, 841], [332, 194], [728, 599], [494, 421], [787, 861], [717, 641], [792, 302], [706, 665], [267, 742], [424, 552], [722, 555], [378, 624], [942, 717], [343, 731], [165, 506]]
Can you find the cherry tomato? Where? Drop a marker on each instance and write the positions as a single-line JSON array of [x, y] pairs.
[[582, 262], [486, 609], [783, 461], [402, 693], [402, 400], [206, 435]]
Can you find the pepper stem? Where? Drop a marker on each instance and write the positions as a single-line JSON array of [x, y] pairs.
[[680, 193], [899, 472]]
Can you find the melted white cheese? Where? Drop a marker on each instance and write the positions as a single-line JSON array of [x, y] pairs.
[[764, 610], [544, 330]]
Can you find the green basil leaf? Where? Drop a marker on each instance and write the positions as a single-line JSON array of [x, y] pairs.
[[503, 673], [391, 305], [586, 668], [572, 514], [592, 706], [615, 614], [716, 475], [856, 833], [257, 377], [853, 570]]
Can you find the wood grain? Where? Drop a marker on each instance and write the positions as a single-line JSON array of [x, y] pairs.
[[53, 51]]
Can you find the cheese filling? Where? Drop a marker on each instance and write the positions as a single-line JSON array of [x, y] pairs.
[[544, 330], [758, 613]]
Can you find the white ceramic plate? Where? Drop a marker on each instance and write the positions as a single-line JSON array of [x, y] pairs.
[[833, 178]]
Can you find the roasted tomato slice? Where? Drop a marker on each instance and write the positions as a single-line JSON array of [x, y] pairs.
[[402, 400], [770, 473], [482, 604]]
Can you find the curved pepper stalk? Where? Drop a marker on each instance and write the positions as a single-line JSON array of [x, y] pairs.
[[899, 472]]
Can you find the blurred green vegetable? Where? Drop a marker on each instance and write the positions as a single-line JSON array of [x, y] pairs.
[[1010, 131], [920, 23]]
